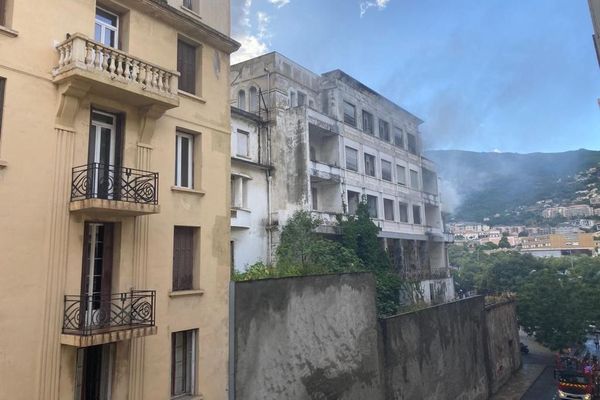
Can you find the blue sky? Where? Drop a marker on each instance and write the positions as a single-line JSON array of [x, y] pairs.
[[484, 75]]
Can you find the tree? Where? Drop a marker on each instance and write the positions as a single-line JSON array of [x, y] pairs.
[[524, 233], [359, 234], [551, 308], [503, 243], [302, 251]]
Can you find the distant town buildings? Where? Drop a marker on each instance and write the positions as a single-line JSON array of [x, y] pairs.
[[578, 210], [556, 245]]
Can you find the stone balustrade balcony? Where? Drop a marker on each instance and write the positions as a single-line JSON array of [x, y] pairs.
[[114, 73]]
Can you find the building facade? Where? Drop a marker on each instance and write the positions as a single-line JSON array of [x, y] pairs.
[[332, 142], [115, 149]]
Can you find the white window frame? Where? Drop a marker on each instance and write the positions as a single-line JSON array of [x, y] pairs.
[[238, 150], [385, 217], [193, 361], [346, 154], [105, 26], [190, 166], [399, 175], [391, 170]]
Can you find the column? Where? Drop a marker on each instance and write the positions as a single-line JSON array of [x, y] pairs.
[[140, 262], [56, 266]]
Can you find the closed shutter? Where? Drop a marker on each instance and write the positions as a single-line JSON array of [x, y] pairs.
[[2, 18], [186, 65], [183, 258], [2, 80]]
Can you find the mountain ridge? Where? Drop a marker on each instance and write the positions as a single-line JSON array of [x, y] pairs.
[[479, 185]]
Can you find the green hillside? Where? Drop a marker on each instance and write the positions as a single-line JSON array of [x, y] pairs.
[[510, 184]]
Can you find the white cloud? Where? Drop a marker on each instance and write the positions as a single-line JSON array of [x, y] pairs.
[[279, 3], [263, 20], [379, 4], [251, 47]]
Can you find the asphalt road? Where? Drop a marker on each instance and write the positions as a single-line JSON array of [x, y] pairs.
[[544, 388]]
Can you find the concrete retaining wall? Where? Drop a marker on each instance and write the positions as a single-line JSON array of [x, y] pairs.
[[436, 353], [318, 338], [306, 338], [502, 337]]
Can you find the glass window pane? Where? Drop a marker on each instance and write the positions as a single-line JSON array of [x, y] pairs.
[[184, 163], [106, 18]]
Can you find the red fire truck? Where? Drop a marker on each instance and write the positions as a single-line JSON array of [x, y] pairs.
[[578, 377]]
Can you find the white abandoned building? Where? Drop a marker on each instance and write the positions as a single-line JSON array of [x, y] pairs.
[[322, 143]]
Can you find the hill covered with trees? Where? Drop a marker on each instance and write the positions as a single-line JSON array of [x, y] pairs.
[[507, 187]]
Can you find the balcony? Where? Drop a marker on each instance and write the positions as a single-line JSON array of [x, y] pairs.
[[424, 275], [108, 189], [114, 73], [240, 218], [324, 172], [91, 320]]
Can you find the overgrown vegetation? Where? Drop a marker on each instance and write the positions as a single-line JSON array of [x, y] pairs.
[[303, 251], [558, 298]]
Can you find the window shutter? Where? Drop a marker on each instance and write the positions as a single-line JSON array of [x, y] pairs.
[[183, 258], [2, 16], [186, 65], [2, 80]]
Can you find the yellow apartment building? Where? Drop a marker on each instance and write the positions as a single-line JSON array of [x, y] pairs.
[[114, 210]]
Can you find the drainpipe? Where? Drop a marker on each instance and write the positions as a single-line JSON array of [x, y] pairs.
[[269, 177]]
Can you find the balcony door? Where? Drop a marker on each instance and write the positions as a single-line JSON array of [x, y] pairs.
[[103, 156], [97, 275], [94, 371]]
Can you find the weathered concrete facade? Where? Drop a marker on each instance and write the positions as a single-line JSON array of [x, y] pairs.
[[318, 338], [332, 142], [250, 189], [92, 108]]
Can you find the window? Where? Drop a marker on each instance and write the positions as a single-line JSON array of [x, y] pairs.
[[353, 201], [239, 191], [183, 258], [192, 5], [184, 160], [369, 164], [2, 12], [242, 143], [349, 113], [388, 209], [414, 179], [417, 215], [398, 137], [372, 205], [384, 130], [292, 99], [106, 28], [367, 122], [401, 174], [186, 65], [183, 362], [315, 198], [301, 99], [93, 370], [241, 100], [2, 87], [253, 100], [351, 159], [386, 170], [403, 212], [412, 143]]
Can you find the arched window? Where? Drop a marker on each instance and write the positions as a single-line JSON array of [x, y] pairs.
[[242, 100], [253, 99]]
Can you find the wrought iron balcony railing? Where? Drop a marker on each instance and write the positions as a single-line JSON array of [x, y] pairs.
[[104, 181], [86, 315]]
